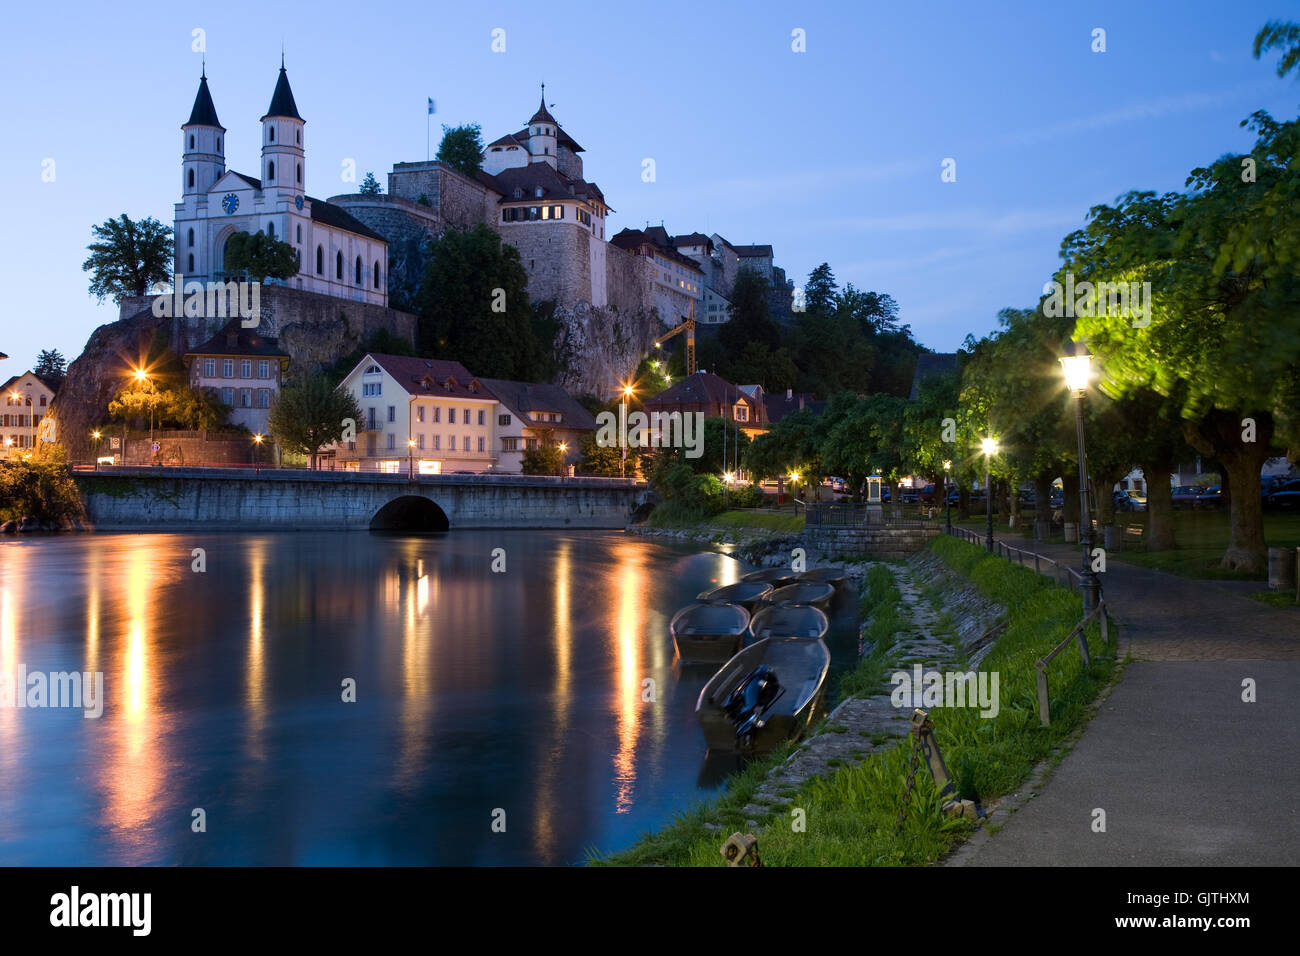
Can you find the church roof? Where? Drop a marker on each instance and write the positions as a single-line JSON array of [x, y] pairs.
[[521, 139], [282, 103], [204, 112], [326, 214]]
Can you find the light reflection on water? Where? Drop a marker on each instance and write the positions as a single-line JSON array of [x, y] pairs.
[[547, 692]]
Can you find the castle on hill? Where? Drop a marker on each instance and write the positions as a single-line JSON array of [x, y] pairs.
[[368, 248]]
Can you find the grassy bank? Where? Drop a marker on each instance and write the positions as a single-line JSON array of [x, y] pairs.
[[850, 815], [737, 519]]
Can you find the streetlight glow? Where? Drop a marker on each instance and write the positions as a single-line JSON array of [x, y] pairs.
[[989, 445], [947, 465], [1077, 367]]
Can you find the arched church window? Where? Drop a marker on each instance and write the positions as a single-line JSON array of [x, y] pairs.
[[376, 273], [271, 132], [270, 172], [191, 265], [189, 179], [299, 232], [270, 229], [191, 238], [300, 174], [191, 140], [338, 264], [358, 270], [320, 261]]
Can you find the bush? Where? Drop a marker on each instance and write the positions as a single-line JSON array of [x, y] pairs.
[[750, 496], [39, 487]]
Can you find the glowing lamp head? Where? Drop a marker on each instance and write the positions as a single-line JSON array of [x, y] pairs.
[[141, 375], [1077, 369], [627, 391], [989, 445], [794, 476], [94, 435], [728, 476], [947, 465], [563, 447]]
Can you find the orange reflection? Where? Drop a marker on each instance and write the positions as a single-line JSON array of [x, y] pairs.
[[631, 614], [550, 770], [255, 681], [415, 588], [11, 583]]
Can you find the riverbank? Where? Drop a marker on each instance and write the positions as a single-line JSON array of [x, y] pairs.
[[916, 613]]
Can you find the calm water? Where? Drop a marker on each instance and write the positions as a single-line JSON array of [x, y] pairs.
[[476, 692]]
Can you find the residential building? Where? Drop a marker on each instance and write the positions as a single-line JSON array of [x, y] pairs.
[[430, 416], [242, 369], [716, 398], [715, 306], [26, 400], [779, 406], [677, 280], [529, 414]]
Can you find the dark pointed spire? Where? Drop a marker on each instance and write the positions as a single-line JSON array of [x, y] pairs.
[[542, 116], [204, 112], [282, 103]]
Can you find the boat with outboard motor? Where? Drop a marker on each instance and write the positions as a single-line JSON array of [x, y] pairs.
[[767, 694]]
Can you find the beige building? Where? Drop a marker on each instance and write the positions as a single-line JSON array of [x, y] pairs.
[[529, 414], [243, 370], [26, 400], [429, 416]]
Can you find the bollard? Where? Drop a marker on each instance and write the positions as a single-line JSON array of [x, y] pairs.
[[1281, 569]]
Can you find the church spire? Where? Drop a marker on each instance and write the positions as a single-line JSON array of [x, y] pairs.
[[204, 112], [282, 103], [542, 116]]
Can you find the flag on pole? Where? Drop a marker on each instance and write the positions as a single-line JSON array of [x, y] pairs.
[[431, 108]]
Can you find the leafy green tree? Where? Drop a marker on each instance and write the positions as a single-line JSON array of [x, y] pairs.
[[51, 368], [259, 257], [39, 486], [128, 257], [1285, 36], [473, 308], [819, 293], [597, 459], [370, 186], [307, 416], [751, 318], [462, 148], [545, 458]]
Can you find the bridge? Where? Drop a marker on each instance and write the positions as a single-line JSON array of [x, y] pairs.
[[232, 499]]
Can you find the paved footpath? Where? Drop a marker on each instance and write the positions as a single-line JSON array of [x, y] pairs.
[[1187, 773]]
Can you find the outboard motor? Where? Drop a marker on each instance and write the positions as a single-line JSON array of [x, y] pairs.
[[752, 698]]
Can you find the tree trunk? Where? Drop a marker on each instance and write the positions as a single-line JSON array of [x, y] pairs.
[[1222, 434], [963, 503], [1012, 500], [1160, 507], [1042, 506], [1070, 501]]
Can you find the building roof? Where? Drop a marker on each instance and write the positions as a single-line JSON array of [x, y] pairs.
[[928, 365], [543, 115], [692, 239], [524, 397], [234, 339], [282, 103], [702, 388], [656, 236], [326, 213], [204, 112], [555, 185], [779, 406], [17, 378], [753, 252], [420, 376]]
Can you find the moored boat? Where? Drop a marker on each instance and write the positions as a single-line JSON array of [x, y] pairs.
[[748, 593], [709, 632], [810, 592], [767, 694], [777, 577], [835, 576], [788, 620]]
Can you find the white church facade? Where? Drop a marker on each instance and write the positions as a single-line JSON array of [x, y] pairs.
[[337, 254]]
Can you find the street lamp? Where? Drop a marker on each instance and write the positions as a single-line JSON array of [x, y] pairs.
[[622, 410], [563, 449], [947, 505], [1077, 368], [257, 443], [142, 376], [990, 447], [410, 458]]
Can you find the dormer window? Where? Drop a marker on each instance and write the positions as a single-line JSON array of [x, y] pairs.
[[518, 193], [371, 370], [538, 192]]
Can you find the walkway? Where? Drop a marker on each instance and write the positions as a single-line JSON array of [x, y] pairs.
[[1187, 773]]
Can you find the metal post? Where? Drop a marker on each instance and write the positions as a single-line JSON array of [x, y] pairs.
[[1089, 585], [988, 508], [947, 506]]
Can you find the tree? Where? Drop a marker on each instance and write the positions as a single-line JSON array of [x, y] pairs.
[[128, 257], [599, 459], [545, 458], [819, 293], [370, 186], [51, 368], [1275, 33], [473, 308], [259, 257], [751, 319], [309, 415], [462, 148]]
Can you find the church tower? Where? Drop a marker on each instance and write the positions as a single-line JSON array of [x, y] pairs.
[[282, 147], [204, 156], [543, 136]]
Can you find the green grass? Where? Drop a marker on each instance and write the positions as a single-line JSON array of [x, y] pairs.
[[851, 814], [1202, 538], [733, 520], [1284, 598]]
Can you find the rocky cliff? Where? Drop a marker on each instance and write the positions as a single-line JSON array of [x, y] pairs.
[[599, 347]]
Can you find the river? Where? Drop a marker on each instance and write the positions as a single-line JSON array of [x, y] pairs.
[[513, 716]]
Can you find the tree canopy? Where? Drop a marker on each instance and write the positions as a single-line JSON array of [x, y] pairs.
[[462, 148], [128, 257]]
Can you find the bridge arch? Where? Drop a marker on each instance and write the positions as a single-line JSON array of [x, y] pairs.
[[410, 513]]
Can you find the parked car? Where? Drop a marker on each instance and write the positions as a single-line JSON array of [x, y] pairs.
[[909, 496], [1124, 501], [837, 484], [928, 494], [1286, 496], [1209, 499], [1184, 496]]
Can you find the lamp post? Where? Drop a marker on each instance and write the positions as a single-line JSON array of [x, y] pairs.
[[990, 447], [410, 459], [1077, 367], [947, 505], [142, 376], [564, 448], [252, 451], [622, 408], [95, 435]]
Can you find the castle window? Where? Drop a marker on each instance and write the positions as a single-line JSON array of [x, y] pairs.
[[338, 264], [297, 136], [518, 193], [546, 212], [546, 151], [270, 172], [218, 144], [538, 192], [191, 238], [320, 261], [190, 178], [358, 271]]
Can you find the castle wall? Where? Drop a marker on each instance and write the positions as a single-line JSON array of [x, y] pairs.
[[557, 258]]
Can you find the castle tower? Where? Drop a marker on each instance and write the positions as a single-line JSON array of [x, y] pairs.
[[543, 136], [282, 147], [204, 158]]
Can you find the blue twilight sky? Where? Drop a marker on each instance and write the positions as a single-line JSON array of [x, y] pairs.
[[830, 155]]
